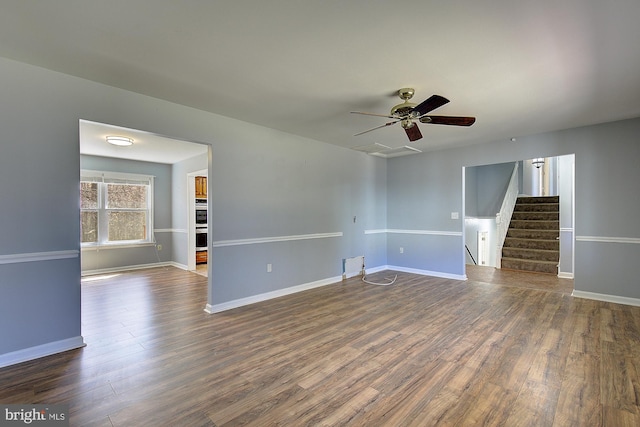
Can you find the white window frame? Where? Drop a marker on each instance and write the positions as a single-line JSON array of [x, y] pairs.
[[103, 178]]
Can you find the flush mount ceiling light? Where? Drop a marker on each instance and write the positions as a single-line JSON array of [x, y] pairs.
[[121, 141]]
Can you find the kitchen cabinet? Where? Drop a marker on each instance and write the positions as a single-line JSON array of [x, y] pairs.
[[201, 257], [201, 187]]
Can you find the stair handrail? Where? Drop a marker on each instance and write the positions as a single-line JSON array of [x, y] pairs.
[[506, 210]]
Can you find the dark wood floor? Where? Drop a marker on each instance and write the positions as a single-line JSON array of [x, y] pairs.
[[424, 351]]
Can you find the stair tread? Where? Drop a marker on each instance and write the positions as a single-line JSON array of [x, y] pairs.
[[530, 249], [536, 203], [531, 243], [541, 199], [530, 240], [543, 229], [530, 261], [535, 221]]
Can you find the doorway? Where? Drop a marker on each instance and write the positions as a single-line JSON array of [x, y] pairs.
[[168, 161], [198, 224], [484, 189]]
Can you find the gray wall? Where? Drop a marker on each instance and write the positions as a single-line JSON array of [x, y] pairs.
[[606, 178], [265, 184], [423, 190], [279, 186], [114, 258], [268, 184], [485, 188]]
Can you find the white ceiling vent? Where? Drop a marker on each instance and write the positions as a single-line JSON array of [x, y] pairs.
[[397, 152], [372, 148], [380, 150]]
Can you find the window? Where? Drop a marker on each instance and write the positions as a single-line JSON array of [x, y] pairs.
[[115, 208]]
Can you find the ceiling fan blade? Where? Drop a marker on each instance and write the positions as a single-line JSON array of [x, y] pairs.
[[377, 127], [434, 101], [448, 120], [373, 114], [413, 133]]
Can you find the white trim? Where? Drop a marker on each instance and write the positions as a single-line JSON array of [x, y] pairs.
[[566, 230], [376, 269], [170, 230], [91, 247], [178, 265], [39, 351], [133, 267], [104, 176], [601, 239], [565, 275], [418, 232], [39, 256], [606, 298], [258, 240], [379, 231], [417, 271], [427, 272], [217, 308]]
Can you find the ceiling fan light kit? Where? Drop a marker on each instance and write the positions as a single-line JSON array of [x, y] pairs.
[[407, 113]]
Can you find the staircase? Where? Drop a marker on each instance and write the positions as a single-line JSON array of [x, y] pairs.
[[532, 238]]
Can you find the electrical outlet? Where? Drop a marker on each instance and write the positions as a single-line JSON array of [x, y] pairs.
[[401, 250], [159, 247], [269, 268]]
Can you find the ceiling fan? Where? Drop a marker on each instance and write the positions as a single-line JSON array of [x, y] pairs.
[[407, 113]]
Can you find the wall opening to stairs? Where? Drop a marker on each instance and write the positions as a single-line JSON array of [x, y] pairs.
[[484, 190]]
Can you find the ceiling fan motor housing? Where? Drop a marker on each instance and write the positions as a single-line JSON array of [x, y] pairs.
[[406, 93], [405, 108]]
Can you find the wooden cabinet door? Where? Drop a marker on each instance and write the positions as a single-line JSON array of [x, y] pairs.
[[201, 257], [201, 187]]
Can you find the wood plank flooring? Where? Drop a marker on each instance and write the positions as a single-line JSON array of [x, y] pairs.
[[424, 351]]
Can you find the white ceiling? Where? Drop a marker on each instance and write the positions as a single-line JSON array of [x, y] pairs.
[[146, 146], [519, 67]]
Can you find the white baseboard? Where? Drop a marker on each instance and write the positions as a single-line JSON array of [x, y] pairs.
[[420, 272], [178, 265], [564, 275], [376, 269], [39, 351], [133, 267], [606, 298], [217, 308]]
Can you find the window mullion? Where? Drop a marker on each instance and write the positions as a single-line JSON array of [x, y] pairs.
[[103, 218]]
